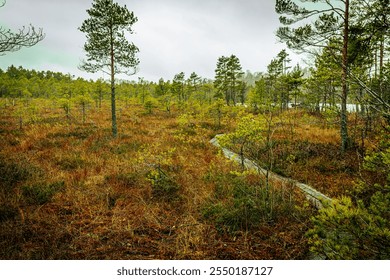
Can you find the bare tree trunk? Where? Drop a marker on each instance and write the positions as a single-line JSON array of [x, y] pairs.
[[344, 96], [381, 64], [84, 113], [381, 55], [113, 100], [100, 98]]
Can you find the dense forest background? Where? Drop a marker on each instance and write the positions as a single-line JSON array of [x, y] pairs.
[[122, 169]]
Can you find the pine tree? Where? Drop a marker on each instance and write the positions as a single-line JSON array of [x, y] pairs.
[[369, 49], [193, 83], [295, 80], [107, 47], [234, 74], [220, 81], [178, 88], [358, 227], [228, 75], [332, 20]]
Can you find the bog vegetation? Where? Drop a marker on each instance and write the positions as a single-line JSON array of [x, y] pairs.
[[125, 170]]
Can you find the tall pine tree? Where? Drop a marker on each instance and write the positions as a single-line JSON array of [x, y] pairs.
[[107, 47], [332, 21]]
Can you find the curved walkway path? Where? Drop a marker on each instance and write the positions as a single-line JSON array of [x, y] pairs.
[[318, 199]]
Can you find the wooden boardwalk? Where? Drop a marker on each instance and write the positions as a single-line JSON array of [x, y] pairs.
[[318, 199]]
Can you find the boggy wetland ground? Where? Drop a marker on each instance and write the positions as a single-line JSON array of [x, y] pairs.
[[160, 190]]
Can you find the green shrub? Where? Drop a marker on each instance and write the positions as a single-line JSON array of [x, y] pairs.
[[71, 162], [163, 186], [358, 227], [41, 193], [150, 104], [187, 124], [345, 231], [239, 205], [15, 171]]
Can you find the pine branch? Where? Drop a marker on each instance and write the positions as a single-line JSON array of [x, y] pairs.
[[25, 37]]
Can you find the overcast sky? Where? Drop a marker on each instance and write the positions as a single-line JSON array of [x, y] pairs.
[[172, 35]]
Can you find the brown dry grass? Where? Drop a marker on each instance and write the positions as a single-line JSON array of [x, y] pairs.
[[307, 148], [109, 209]]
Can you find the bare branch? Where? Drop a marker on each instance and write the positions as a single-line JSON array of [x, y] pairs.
[[25, 37], [339, 11], [377, 100]]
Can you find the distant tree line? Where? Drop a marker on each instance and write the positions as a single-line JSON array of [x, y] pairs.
[[349, 45]]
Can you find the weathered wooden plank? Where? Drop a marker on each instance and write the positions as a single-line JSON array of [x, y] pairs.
[[317, 198]]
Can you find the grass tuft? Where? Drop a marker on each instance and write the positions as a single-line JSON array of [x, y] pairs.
[[41, 193]]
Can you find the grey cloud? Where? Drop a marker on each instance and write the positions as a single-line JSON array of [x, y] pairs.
[[173, 35]]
